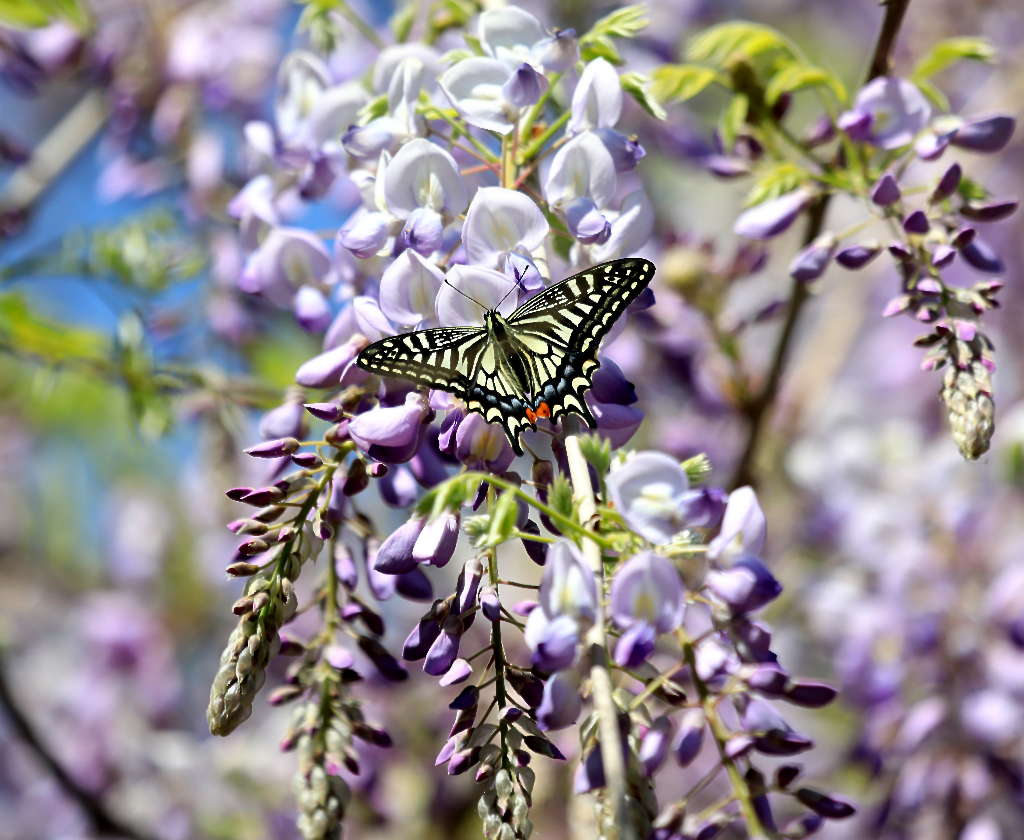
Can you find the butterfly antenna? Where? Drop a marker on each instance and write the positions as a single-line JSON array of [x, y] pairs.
[[518, 284], [468, 297]]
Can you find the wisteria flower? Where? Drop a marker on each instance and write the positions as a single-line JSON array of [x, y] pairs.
[[500, 222], [409, 290], [422, 175], [476, 88], [510, 34], [597, 99], [743, 527], [889, 113], [568, 604], [288, 259], [647, 599], [650, 490]]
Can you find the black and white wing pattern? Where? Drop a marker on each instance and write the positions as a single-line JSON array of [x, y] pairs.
[[539, 363], [562, 328], [460, 360]]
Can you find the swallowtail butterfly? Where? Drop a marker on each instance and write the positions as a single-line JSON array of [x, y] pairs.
[[537, 363]]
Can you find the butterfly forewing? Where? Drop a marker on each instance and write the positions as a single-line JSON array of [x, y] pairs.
[[555, 337], [563, 326]]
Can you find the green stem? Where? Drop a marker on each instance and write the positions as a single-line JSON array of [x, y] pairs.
[[548, 133], [367, 31], [552, 514]]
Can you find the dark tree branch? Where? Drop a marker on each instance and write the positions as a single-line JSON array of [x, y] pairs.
[[102, 820], [758, 408]]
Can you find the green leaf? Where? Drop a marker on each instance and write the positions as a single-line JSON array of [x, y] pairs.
[[449, 495], [937, 97], [727, 42], [599, 46], [733, 119], [34, 13], [503, 518], [560, 497], [474, 44], [948, 52], [796, 76], [626, 22], [679, 82], [638, 86], [30, 333], [775, 180]]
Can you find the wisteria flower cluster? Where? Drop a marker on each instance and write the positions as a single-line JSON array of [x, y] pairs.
[[482, 174], [888, 147]]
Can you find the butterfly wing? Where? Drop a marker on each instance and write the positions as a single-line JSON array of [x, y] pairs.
[[562, 328], [440, 358], [459, 360]]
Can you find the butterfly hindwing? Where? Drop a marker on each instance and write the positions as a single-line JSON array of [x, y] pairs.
[[551, 349]]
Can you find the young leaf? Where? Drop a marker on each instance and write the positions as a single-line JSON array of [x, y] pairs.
[[503, 518], [638, 86], [560, 496], [774, 181], [599, 46], [725, 43], [948, 52], [679, 82], [733, 119], [795, 76], [626, 22], [598, 452]]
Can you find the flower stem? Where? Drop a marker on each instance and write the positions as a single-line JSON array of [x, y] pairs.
[[741, 790], [367, 31], [612, 758], [758, 408]]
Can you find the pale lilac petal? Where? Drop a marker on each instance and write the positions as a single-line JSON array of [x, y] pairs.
[[422, 174], [409, 288], [597, 100], [485, 286], [500, 221]]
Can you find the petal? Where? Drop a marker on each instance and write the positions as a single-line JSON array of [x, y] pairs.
[[500, 221], [484, 286], [583, 167], [409, 288], [597, 100], [422, 174], [509, 33], [474, 87]]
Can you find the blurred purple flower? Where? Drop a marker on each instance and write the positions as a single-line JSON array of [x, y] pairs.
[[988, 134], [597, 99], [568, 601], [561, 703], [525, 86], [897, 111], [743, 527], [772, 217]]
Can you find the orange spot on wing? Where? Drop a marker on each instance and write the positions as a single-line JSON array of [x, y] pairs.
[[543, 410], [531, 415]]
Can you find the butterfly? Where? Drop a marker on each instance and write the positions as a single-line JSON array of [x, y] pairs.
[[536, 364]]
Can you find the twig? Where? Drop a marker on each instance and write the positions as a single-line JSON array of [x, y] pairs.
[[55, 152], [612, 758], [757, 409], [102, 820]]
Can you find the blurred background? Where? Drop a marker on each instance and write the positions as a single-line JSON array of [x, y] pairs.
[[133, 371]]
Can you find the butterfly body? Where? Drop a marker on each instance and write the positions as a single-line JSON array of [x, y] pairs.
[[537, 363]]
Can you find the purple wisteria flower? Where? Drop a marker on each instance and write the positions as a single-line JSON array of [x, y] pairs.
[[650, 490], [568, 603], [888, 112], [647, 599]]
